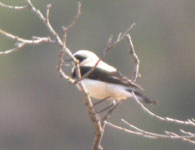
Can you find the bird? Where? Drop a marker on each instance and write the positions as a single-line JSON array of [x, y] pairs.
[[106, 81]]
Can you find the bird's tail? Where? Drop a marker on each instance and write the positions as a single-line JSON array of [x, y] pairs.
[[143, 98]]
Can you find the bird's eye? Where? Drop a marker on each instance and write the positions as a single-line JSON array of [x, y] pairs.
[[80, 58]]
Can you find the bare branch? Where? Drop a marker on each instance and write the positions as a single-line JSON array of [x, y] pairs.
[[75, 18], [127, 130], [93, 115], [152, 135], [36, 11], [46, 21], [23, 42], [13, 7], [187, 133], [88, 102], [110, 40], [167, 119], [121, 36], [65, 29], [169, 135], [65, 76], [50, 27], [48, 13], [18, 47], [14, 37], [135, 73]]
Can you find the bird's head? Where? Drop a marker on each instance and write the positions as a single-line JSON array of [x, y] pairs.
[[86, 58]]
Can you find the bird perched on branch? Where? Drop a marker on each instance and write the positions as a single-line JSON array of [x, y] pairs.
[[105, 81]]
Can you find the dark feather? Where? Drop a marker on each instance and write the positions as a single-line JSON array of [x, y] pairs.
[[80, 58], [142, 97], [109, 77]]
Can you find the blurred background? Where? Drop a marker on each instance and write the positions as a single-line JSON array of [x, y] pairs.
[[39, 110]]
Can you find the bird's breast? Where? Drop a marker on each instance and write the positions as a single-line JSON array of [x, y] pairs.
[[100, 90]]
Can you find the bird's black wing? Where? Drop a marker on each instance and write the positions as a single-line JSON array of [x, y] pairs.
[[105, 76]]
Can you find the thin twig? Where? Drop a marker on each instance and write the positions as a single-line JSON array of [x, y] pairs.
[[167, 119], [187, 132], [152, 135], [13, 7], [107, 115], [23, 42], [19, 39], [121, 36], [65, 29], [65, 76], [135, 73], [18, 47], [127, 130], [75, 18]]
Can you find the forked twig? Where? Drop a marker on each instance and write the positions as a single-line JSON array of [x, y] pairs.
[[21, 43]]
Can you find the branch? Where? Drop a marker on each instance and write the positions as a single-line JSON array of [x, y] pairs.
[[88, 102], [13, 7], [135, 73], [65, 29], [120, 37], [21, 43], [93, 115], [75, 18], [46, 21], [137, 131], [190, 122]]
